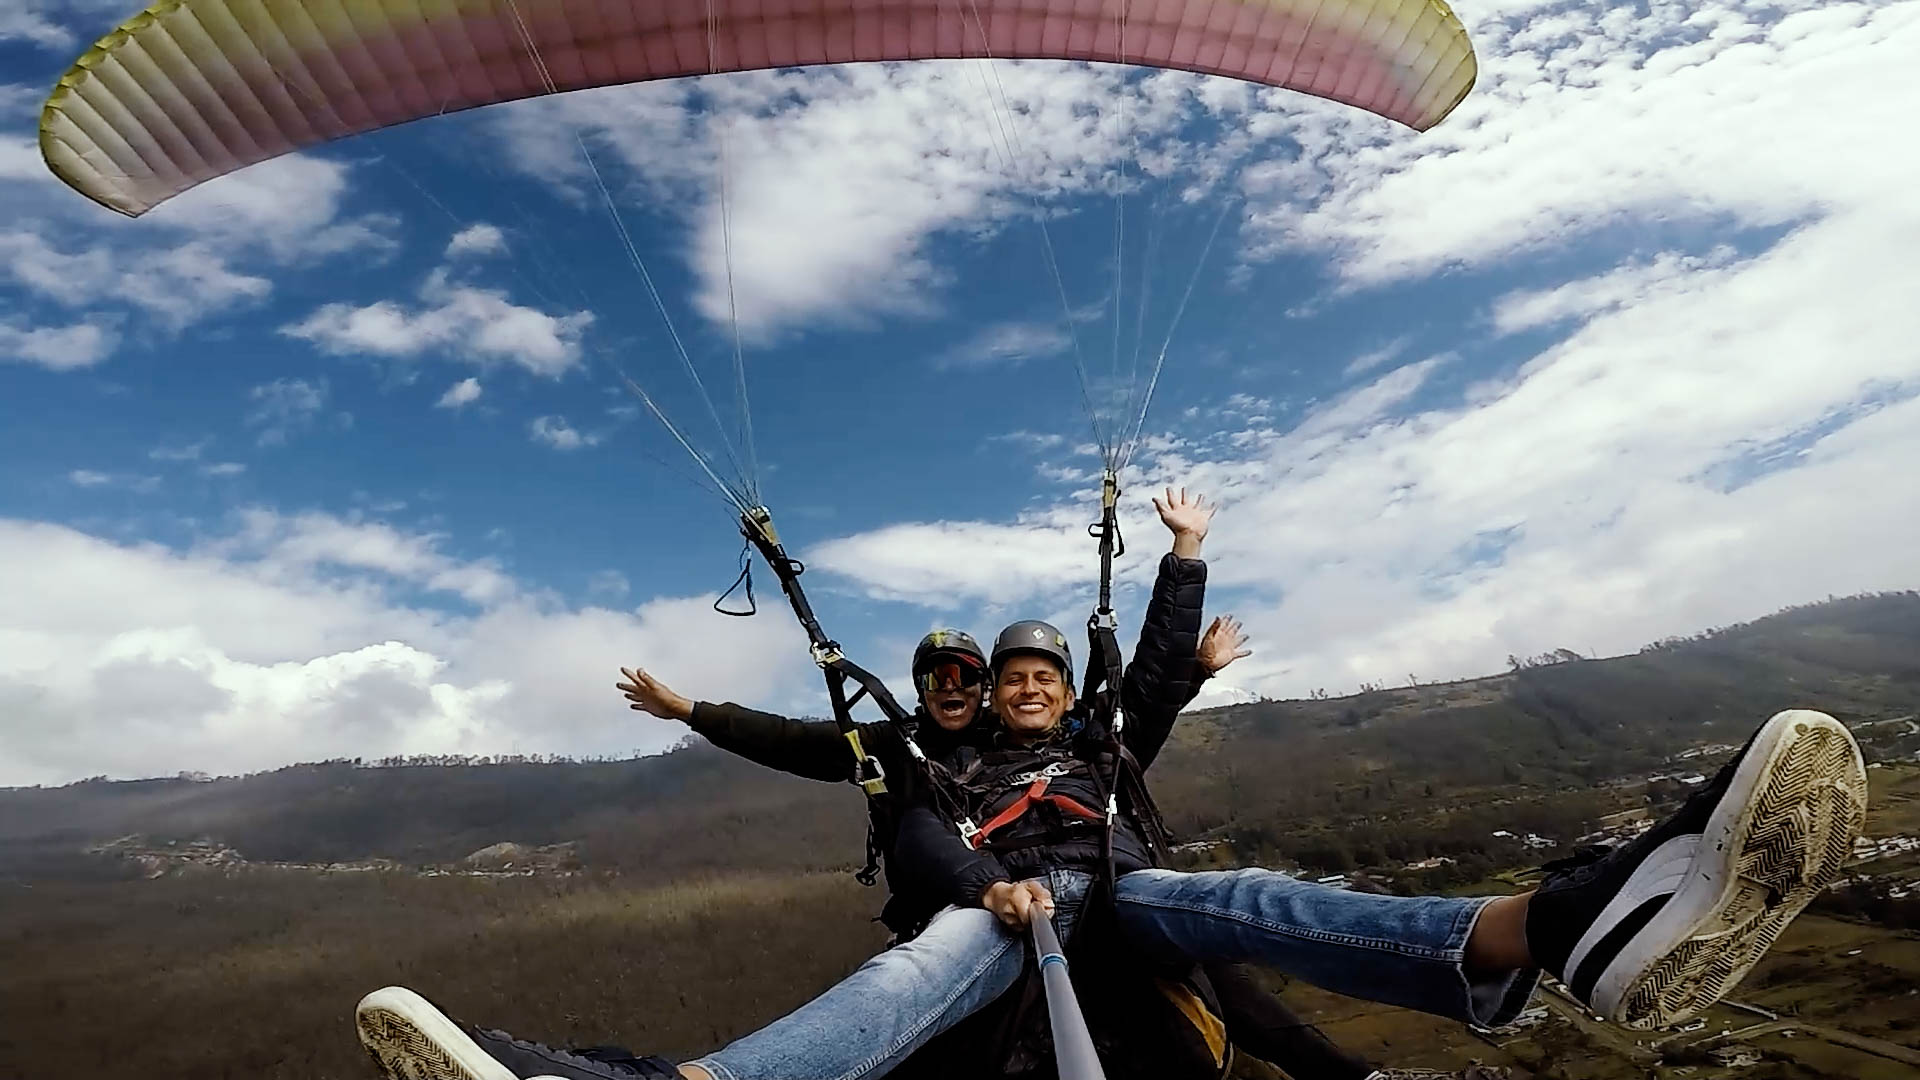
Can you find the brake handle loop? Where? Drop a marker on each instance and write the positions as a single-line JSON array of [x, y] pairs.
[[746, 576]]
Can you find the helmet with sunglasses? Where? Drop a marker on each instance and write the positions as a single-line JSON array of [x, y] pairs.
[[945, 649]]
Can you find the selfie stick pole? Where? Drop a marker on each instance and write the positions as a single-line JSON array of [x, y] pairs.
[[1072, 1046]]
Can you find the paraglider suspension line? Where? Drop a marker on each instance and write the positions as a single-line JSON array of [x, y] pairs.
[[748, 479]]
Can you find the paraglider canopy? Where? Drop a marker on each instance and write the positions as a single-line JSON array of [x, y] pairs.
[[190, 90]]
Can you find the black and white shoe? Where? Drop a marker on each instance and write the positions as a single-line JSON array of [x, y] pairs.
[[1654, 931], [410, 1039]]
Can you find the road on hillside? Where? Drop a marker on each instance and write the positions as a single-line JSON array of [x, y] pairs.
[[1617, 1039], [1892, 1050], [1622, 1041]]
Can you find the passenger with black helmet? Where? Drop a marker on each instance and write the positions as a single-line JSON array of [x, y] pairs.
[[949, 677]]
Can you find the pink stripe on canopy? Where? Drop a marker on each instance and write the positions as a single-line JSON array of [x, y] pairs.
[[192, 89]]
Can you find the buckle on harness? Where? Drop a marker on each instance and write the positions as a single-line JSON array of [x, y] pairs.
[[968, 830], [867, 770], [871, 776], [1058, 768]]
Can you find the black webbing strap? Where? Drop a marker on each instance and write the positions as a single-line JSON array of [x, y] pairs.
[[1101, 691], [868, 774], [1103, 662]]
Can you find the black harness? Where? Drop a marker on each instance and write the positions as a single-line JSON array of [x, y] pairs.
[[868, 774], [1124, 781], [1098, 752]]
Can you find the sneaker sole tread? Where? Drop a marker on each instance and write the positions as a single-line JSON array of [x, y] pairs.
[[1789, 841], [409, 1039]]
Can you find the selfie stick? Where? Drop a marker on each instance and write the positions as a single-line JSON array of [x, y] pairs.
[[1072, 1046]]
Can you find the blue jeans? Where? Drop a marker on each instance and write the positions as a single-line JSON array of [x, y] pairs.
[[894, 1003], [1398, 950]]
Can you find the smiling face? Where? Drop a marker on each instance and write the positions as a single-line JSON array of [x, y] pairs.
[[1031, 694], [950, 690], [952, 709]]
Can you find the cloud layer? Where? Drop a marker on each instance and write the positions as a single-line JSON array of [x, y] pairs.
[[1687, 389], [1719, 430], [295, 638]]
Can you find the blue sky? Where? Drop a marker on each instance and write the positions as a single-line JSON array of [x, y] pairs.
[[330, 457]]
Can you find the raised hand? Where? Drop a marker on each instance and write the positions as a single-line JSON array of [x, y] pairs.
[[649, 695], [1188, 520], [1223, 643]]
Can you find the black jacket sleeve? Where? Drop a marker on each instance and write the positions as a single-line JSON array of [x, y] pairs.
[[814, 749], [1161, 678], [930, 854]]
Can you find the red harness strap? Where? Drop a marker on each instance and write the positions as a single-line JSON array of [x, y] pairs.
[[1032, 797]]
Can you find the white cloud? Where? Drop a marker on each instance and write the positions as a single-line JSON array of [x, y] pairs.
[[285, 212], [93, 478], [198, 257], [557, 433], [180, 452], [1033, 441], [1588, 115], [464, 392], [177, 286], [19, 156], [1379, 357], [288, 209], [840, 177], [26, 24], [58, 25], [1624, 285], [944, 565], [298, 544], [1363, 406], [1006, 344], [477, 240], [1727, 425], [460, 321], [56, 348], [222, 468], [248, 658], [184, 284], [1713, 440], [20, 99], [285, 407], [609, 583], [50, 24]]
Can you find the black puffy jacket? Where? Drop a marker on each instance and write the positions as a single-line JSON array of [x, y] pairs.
[[931, 856], [816, 750]]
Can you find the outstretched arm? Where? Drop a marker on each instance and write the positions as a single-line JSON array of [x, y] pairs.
[[814, 749], [1161, 678]]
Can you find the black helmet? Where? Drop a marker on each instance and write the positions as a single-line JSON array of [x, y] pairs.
[[1034, 636], [948, 654], [953, 642]]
